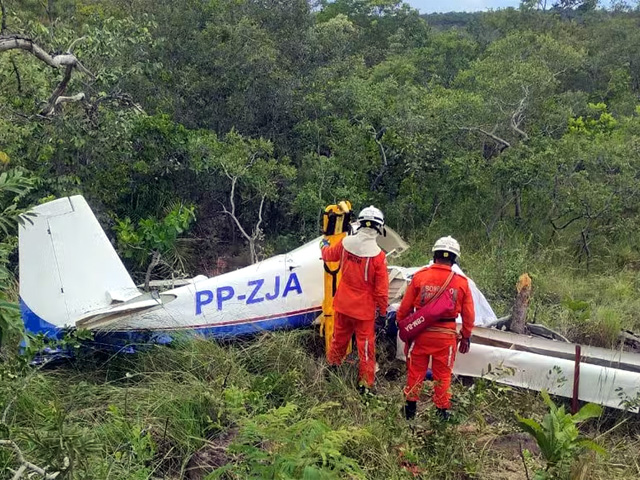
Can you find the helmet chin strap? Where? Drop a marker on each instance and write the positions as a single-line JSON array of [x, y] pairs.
[[375, 226]]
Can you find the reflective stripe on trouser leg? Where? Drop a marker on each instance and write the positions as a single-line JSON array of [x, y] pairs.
[[410, 350], [417, 365], [366, 350], [365, 338], [442, 365]]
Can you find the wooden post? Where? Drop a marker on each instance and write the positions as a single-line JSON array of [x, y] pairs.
[[576, 382], [519, 313]]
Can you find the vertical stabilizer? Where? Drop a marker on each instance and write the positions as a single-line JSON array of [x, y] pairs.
[[68, 267]]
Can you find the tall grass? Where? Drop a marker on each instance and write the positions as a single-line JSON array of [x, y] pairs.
[[161, 413]]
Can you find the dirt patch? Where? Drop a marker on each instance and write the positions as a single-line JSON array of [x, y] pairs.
[[509, 445], [211, 456], [502, 455], [502, 469]]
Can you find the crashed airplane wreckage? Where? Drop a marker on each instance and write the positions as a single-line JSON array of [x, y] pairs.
[[71, 277]]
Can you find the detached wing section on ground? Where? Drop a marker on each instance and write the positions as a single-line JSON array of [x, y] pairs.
[[599, 375]]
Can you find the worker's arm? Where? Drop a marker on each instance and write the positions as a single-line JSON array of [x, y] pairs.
[[468, 312], [406, 306], [381, 286], [332, 254]]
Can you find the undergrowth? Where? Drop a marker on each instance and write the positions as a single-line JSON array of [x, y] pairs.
[[268, 408]]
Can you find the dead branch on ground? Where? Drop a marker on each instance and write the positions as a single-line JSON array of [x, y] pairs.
[[24, 464]]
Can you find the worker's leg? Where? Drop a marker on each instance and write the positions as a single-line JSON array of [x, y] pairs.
[[417, 365], [342, 332], [366, 340], [442, 367]]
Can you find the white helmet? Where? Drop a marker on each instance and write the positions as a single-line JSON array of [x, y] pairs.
[[371, 217], [447, 244]]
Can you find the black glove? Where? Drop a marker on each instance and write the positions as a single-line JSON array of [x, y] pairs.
[[464, 345]]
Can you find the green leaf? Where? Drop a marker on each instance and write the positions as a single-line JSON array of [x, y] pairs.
[[590, 410], [547, 400], [591, 445]]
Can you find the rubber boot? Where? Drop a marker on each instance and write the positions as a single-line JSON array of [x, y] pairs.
[[443, 414], [364, 390], [332, 370], [410, 410]]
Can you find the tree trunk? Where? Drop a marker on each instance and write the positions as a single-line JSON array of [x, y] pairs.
[[154, 263], [519, 313], [252, 251]]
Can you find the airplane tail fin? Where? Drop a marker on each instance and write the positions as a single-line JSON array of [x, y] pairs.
[[68, 267]]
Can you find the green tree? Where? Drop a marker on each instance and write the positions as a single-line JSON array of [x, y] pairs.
[[156, 238], [14, 185]]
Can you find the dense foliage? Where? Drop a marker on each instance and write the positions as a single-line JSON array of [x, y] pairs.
[[521, 122]]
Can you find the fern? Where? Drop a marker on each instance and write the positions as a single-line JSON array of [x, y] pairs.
[[283, 444]]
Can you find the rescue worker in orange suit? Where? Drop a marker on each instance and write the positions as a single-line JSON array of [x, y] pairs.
[[362, 293], [438, 342]]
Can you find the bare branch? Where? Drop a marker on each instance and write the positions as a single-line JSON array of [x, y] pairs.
[[518, 115], [17, 72], [155, 260], [3, 12], [232, 213], [74, 98], [50, 108], [555, 227], [24, 464], [18, 473], [585, 245], [16, 42], [436, 205], [68, 60], [73, 44], [488, 134], [251, 161], [226, 172], [256, 230], [524, 462]]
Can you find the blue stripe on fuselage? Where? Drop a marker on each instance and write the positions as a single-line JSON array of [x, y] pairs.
[[221, 332], [35, 324]]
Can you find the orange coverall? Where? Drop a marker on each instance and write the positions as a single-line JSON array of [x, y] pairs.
[[364, 287], [438, 342]]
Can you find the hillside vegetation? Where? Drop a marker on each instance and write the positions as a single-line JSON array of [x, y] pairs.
[[207, 134], [171, 413]]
